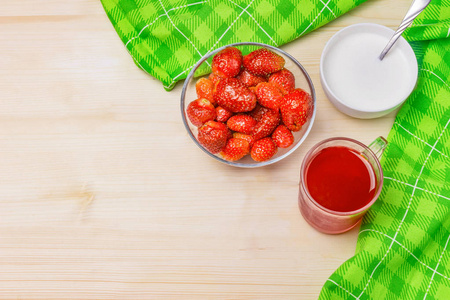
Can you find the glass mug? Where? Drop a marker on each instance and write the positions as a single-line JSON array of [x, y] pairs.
[[333, 221]]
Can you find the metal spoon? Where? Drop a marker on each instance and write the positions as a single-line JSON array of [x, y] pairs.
[[416, 8]]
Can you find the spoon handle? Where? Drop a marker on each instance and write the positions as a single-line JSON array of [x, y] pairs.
[[416, 8]]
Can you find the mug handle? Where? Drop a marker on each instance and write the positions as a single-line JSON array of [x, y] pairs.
[[378, 146]]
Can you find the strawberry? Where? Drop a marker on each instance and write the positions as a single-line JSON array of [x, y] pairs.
[[283, 80], [263, 62], [268, 95], [213, 136], [222, 115], [249, 79], [241, 123], [258, 112], [269, 121], [295, 109], [234, 96], [214, 78], [204, 88], [244, 136], [235, 149], [263, 149], [282, 137], [200, 111], [227, 63]]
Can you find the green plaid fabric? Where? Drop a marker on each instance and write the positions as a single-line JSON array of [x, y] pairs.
[[167, 37], [403, 247]]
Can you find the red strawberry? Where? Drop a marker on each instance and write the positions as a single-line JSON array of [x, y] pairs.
[[295, 109], [214, 78], [268, 95], [222, 115], [269, 121], [249, 79], [263, 62], [235, 149], [200, 111], [244, 136], [263, 149], [213, 136], [234, 96], [227, 63], [258, 112], [284, 80], [241, 123], [204, 88], [282, 137]]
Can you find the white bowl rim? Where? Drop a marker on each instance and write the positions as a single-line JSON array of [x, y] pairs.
[[237, 163], [373, 25]]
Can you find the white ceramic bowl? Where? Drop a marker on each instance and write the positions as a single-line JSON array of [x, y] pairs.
[[341, 67]]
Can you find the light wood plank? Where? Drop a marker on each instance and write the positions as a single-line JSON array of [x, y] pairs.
[[104, 196]]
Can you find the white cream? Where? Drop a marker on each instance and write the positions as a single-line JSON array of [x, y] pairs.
[[355, 74]]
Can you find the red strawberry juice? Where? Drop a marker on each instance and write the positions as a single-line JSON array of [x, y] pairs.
[[340, 179]]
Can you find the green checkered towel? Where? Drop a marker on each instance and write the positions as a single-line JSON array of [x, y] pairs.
[[403, 247], [167, 37]]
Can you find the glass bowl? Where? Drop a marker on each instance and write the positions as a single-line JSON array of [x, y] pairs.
[[302, 80]]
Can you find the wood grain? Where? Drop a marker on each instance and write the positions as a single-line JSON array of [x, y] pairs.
[[104, 196]]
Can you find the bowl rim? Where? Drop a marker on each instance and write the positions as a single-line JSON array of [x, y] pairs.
[[237, 163], [380, 28]]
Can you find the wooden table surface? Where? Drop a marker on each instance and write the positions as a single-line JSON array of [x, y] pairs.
[[104, 196]]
